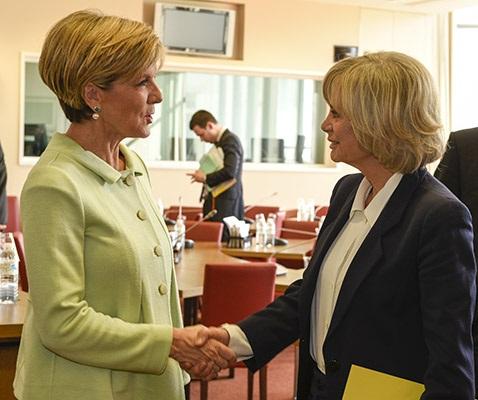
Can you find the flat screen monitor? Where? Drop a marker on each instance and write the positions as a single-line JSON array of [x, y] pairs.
[[195, 30]]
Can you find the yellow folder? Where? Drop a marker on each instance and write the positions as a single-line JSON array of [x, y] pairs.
[[367, 384], [222, 187]]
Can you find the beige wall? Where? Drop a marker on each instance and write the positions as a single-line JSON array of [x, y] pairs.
[[279, 34]]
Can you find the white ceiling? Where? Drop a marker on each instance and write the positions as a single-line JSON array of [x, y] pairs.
[[421, 6]]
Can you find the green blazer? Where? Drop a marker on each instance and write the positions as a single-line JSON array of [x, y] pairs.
[[103, 296]]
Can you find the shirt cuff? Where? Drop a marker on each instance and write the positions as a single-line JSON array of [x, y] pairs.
[[238, 342]]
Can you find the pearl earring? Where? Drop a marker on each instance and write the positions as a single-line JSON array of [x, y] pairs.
[[96, 115]]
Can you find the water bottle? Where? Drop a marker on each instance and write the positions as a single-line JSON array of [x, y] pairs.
[[8, 270], [180, 228], [271, 230], [261, 230], [178, 238]]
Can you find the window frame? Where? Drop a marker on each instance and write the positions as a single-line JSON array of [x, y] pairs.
[[174, 66]]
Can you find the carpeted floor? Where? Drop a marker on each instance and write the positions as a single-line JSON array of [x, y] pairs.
[[280, 381]]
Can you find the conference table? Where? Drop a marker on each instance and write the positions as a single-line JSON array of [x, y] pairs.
[[190, 276]]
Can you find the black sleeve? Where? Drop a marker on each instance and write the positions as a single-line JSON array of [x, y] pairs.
[[274, 328], [448, 171]]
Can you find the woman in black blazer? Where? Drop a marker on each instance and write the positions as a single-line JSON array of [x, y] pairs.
[[391, 284]]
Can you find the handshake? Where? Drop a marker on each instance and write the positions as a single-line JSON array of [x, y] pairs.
[[202, 351]]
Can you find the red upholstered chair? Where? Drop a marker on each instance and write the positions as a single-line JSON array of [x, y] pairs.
[[321, 211], [231, 293], [204, 231], [292, 229], [18, 237], [13, 220], [13, 225], [191, 213], [252, 211], [291, 213]]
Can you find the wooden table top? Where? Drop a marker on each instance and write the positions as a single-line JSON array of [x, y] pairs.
[[12, 317], [189, 272]]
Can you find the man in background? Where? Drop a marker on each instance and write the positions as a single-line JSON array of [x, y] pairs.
[[3, 189], [458, 170], [227, 199]]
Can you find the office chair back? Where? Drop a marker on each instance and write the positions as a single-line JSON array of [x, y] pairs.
[[191, 215], [231, 293], [321, 211], [266, 210], [13, 220], [234, 291], [205, 231], [292, 229]]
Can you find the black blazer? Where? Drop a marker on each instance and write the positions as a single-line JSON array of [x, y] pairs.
[[458, 170], [3, 189], [231, 201], [406, 304]]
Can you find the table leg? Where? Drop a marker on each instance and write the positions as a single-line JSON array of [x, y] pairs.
[[190, 311]]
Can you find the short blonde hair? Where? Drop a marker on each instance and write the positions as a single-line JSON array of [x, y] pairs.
[[87, 46], [392, 104]]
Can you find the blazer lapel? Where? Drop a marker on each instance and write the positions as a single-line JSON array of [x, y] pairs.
[[325, 239], [371, 249]]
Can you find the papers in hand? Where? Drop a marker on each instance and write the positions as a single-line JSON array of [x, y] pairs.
[[367, 384], [212, 161]]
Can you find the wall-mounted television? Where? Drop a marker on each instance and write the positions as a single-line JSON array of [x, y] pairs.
[[195, 30]]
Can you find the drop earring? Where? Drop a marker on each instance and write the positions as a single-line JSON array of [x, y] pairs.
[[97, 110]]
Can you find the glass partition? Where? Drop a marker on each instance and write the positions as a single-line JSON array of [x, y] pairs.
[[277, 117], [41, 114]]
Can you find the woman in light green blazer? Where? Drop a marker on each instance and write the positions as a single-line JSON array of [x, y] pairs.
[[103, 318]]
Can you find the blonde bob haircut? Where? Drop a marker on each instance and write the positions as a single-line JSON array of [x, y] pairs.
[[87, 46], [392, 105]]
